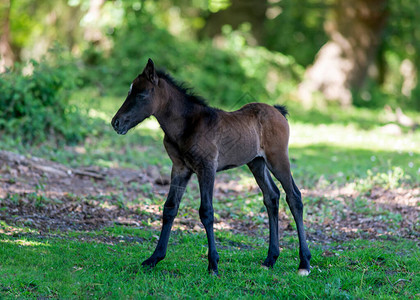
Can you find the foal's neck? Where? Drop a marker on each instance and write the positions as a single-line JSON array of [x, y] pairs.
[[176, 111]]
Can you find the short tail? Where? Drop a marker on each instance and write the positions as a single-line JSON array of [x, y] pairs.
[[282, 109]]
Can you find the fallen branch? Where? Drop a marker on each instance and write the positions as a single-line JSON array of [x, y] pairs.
[[89, 174]]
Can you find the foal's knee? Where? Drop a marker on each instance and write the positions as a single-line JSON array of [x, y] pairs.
[[169, 213], [295, 203], [272, 202]]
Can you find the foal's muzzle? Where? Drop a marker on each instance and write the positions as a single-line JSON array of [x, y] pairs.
[[119, 127]]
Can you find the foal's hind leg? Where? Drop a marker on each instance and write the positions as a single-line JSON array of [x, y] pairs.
[[271, 196], [279, 165]]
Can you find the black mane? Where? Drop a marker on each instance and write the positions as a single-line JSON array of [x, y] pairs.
[[182, 89]]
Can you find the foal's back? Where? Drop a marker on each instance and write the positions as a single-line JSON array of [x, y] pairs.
[[250, 132]]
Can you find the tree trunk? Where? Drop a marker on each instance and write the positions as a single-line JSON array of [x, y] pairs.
[[341, 65], [6, 54]]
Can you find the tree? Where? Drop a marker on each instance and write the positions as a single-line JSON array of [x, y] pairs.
[[341, 65]]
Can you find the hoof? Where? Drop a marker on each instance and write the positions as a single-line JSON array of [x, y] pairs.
[[149, 263], [265, 267], [269, 263], [147, 267], [303, 272], [213, 272]]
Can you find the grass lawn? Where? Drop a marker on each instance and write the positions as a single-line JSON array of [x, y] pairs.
[[106, 265]]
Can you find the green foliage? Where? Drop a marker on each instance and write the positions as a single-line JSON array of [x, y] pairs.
[[35, 107], [296, 28], [36, 25], [389, 180], [402, 35], [132, 31], [225, 75]]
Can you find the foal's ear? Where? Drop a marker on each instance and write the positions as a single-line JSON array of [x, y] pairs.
[[150, 73]]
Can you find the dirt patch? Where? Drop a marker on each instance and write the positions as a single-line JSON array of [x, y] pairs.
[[47, 196]]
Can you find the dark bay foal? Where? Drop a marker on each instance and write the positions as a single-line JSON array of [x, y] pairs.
[[204, 140]]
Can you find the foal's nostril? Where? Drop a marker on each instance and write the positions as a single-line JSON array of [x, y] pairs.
[[116, 123]]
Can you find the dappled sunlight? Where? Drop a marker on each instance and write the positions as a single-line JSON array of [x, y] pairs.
[[12, 230], [350, 212], [399, 196], [26, 243]]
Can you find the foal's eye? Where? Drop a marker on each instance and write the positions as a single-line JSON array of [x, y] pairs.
[[142, 96]]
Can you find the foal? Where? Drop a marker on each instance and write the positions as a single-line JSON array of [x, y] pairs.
[[203, 140]]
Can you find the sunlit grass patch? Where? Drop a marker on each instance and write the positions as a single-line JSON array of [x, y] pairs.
[[319, 162], [362, 119], [25, 242], [349, 136], [11, 230]]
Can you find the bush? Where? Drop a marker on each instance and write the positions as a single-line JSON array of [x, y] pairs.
[[228, 75], [35, 108]]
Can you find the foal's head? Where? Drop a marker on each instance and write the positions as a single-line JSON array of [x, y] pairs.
[[142, 100]]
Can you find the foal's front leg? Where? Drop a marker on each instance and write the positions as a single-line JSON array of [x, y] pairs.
[[206, 183], [179, 180]]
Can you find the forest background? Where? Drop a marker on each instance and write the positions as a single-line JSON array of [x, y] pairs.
[[72, 192]]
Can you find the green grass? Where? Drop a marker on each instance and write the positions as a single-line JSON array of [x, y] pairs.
[[63, 267]]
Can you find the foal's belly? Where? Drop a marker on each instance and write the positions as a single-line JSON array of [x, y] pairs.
[[237, 150]]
